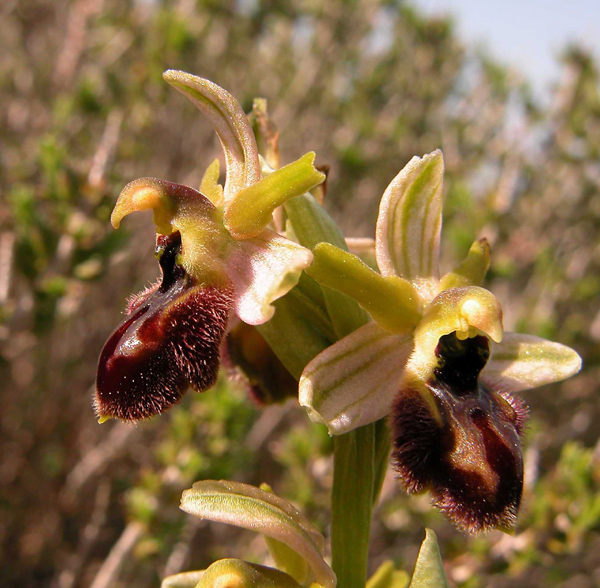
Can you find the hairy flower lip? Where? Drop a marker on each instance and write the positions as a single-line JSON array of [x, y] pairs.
[[464, 448], [160, 349]]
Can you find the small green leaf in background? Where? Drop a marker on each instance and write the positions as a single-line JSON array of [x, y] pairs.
[[387, 576], [429, 570]]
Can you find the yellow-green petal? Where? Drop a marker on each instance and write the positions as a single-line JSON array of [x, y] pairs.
[[251, 210], [391, 301], [210, 186], [236, 573], [471, 272]]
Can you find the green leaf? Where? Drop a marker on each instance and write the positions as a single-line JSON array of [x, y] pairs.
[[429, 570], [249, 507]]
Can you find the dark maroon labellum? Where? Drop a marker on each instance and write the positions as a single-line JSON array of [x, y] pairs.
[[169, 341], [459, 439]]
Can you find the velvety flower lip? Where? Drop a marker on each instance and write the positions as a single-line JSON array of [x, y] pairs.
[[218, 257], [435, 357], [169, 341]]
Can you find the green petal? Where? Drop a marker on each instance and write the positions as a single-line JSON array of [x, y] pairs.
[[353, 382], [429, 570], [236, 573], [229, 122], [251, 210], [249, 507], [391, 301], [410, 220], [471, 272], [521, 362]]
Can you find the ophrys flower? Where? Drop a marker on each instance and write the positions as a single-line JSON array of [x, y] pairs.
[[218, 257], [435, 357]]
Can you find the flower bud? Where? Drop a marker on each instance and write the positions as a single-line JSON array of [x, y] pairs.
[[170, 340], [248, 355]]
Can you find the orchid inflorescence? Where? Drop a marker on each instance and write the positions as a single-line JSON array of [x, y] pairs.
[[427, 350]]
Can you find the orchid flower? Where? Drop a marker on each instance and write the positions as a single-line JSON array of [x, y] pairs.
[[435, 358], [217, 256]]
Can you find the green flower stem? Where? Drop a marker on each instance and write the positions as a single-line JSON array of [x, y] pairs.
[[352, 504], [360, 456]]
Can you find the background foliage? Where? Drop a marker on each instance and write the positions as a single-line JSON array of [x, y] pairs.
[[364, 83]]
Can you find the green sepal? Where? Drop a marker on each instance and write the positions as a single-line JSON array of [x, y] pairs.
[[429, 570], [392, 301], [229, 122], [471, 272], [251, 209]]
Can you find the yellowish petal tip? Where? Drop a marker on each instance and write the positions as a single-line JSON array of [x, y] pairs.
[[103, 419], [484, 314], [171, 74], [142, 194]]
